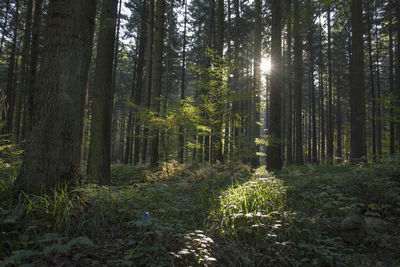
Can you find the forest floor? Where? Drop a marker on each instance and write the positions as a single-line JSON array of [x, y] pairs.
[[209, 215]]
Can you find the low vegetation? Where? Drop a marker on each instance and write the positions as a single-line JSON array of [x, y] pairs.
[[207, 215]]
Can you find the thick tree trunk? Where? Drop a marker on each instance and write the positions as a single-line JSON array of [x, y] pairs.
[[357, 87], [157, 75], [274, 157], [54, 150], [298, 73]]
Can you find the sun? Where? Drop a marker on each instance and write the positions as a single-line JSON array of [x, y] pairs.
[[266, 65]]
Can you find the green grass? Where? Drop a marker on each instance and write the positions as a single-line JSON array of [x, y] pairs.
[[221, 215]]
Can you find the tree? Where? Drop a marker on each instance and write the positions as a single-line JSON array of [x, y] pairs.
[[289, 135], [53, 152], [100, 136], [274, 157], [149, 73], [357, 88], [32, 68], [139, 81], [298, 74], [255, 161], [391, 79], [181, 129], [157, 75], [329, 123], [20, 89]]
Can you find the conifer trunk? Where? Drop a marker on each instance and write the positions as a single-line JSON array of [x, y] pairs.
[[274, 157], [157, 75], [53, 152], [357, 87]]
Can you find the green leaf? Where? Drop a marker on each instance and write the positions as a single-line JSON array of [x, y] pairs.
[[63, 249], [81, 240]]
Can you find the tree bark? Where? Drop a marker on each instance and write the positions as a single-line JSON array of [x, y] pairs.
[[100, 136], [149, 74], [357, 87], [10, 101], [157, 75], [53, 152], [139, 82], [289, 136], [274, 157], [313, 156], [391, 81], [29, 109], [298, 73], [20, 89], [181, 129], [329, 124]]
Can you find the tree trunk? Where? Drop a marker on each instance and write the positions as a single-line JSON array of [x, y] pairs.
[[289, 136], [53, 152], [255, 128], [18, 112], [139, 82], [378, 95], [100, 136], [372, 83], [157, 75], [357, 87], [274, 158], [149, 74], [321, 97], [33, 64], [329, 124], [181, 129], [298, 73], [391, 80], [313, 156], [4, 30], [10, 101]]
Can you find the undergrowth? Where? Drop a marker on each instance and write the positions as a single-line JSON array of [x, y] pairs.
[[205, 215]]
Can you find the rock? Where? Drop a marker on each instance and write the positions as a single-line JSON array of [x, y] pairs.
[[353, 228]]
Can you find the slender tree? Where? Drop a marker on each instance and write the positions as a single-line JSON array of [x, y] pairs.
[[298, 54], [274, 157], [139, 80], [289, 136], [20, 89], [391, 79], [149, 73], [32, 68], [100, 136], [329, 122], [10, 100], [157, 75], [357, 87], [181, 129]]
